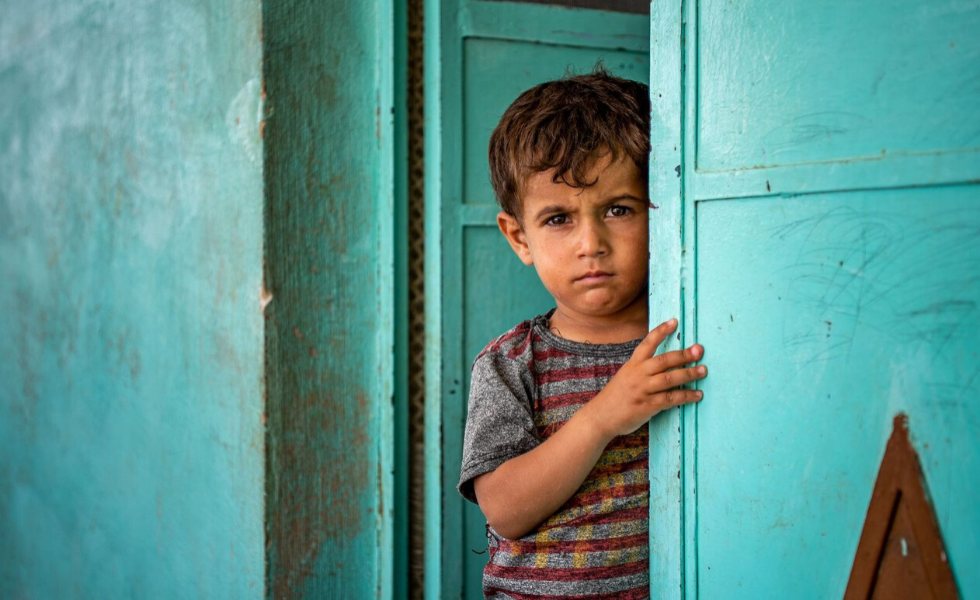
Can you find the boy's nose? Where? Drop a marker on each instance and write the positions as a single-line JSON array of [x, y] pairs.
[[592, 240]]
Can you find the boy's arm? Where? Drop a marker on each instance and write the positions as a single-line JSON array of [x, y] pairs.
[[527, 489], [524, 491]]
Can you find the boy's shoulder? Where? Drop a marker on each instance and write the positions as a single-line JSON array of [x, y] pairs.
[[514, 342]]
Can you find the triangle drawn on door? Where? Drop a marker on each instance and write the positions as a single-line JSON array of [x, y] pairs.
[[901, 552]]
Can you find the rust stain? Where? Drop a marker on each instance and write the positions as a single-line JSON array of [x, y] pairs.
[[126, 354], [325, 84], [321, 453], [323, 480]]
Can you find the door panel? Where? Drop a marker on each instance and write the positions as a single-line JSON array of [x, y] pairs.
[[794, 82], [820, 163], [498, 292], [824, 317], [483, 56]]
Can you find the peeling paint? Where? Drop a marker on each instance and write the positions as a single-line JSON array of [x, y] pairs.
[[265, 298], [244, 120]]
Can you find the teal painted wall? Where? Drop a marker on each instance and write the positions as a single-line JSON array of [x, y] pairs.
[[131, 350]]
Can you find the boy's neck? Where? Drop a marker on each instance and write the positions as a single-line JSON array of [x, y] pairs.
[[625, 326]]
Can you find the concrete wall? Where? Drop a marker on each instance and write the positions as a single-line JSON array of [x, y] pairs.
[[131, 346]]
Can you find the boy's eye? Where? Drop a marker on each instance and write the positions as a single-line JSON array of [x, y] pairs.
[[557, 220], [618, 211]]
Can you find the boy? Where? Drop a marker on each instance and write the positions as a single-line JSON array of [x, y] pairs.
[[555, 450]]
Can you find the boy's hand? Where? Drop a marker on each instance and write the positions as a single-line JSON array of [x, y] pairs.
[[527, 489], [646, 384]]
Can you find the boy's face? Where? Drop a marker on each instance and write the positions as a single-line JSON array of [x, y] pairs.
[[588, 245]]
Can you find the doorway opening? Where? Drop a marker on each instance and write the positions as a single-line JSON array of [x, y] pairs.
[[467, 60]]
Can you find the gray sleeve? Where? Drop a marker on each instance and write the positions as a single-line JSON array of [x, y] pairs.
[[499, 421]]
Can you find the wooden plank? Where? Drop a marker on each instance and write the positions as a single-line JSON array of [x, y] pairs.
[[433, 73], [329, 269], [666, 194], [689, 295]]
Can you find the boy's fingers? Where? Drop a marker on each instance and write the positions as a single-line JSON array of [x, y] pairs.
[[676, 397], [672, 379], [677, 358], [653, 339]]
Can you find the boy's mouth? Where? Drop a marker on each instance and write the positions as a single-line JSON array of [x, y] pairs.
[[594, 277]]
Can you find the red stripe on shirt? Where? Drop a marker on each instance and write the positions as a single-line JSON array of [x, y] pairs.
[[633, 440], [569, 399], [494, 346], [612, 492], [517, 351], [576, 373], [619, 516], [574, 546], [567, 573], [550, 353], [640, 464]]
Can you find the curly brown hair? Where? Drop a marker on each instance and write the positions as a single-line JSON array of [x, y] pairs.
[[567, 125]]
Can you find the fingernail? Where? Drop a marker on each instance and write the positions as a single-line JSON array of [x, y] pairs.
[[700, 395], [702, 370]]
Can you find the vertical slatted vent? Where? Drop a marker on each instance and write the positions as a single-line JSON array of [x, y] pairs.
[[416, 302]]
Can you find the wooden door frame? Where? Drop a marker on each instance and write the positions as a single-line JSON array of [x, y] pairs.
[[330, 299], [668, 170]]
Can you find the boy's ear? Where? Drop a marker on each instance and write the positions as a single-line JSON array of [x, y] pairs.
[[512, 230]]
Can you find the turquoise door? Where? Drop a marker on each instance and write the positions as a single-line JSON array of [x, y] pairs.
[[816, 169], [480, 56]]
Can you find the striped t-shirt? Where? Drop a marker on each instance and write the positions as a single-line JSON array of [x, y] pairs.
[[525, 385]]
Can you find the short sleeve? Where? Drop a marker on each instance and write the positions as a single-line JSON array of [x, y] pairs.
[[499, 421]]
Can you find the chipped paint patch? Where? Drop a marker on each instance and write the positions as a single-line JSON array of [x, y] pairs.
[[243, 120]]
